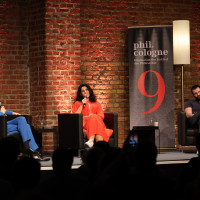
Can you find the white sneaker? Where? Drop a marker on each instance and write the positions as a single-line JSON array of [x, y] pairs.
[[88, 144]]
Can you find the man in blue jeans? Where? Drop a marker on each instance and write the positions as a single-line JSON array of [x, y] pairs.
[[19, 126]]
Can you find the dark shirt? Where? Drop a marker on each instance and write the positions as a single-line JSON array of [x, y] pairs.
[[195, 105]]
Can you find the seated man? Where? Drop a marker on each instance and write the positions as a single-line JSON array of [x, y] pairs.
[[19, 126], [192, 110]]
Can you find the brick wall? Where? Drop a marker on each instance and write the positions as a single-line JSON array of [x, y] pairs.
[[36, 62], [54, 62], [63, 56], [14, 77], [65, 43]]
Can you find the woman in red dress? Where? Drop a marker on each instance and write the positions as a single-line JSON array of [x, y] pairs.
[[93, 115]]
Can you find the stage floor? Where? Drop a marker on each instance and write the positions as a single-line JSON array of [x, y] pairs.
[[170, 157]]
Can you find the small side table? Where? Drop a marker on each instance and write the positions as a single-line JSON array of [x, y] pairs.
[[147, 134]]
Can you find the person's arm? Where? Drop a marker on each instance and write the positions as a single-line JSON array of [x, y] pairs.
[[4, 112], [8, 112], [78, 106], [188, 112], [79, 109], [100, 112], [15, 113]]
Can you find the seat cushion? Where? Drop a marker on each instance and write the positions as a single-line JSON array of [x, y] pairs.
[[191, 132]]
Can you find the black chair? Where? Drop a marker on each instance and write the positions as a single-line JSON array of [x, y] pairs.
[[70, 128], [3, 127], [186, 133]]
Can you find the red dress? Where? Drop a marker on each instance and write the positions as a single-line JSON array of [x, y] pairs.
[[93, 119]]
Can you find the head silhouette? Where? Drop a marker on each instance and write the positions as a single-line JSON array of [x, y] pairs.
[[62, 160]]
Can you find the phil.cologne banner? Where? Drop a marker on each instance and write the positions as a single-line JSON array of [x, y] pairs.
[[151, 87]]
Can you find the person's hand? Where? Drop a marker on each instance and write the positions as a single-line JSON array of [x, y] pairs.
[[14, 113], [84, 101], [3, 110]]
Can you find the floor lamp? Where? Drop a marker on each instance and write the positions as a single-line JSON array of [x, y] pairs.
[[181, 49]]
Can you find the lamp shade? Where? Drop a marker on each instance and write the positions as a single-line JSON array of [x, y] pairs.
[[181, 42]]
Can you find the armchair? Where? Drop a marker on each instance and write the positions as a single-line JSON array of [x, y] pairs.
[[70, 128], [3, 126], [186, 133]]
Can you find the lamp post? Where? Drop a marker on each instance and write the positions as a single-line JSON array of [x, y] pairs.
[[181, 48]]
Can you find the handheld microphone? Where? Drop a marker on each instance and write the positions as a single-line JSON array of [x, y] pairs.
[[85, 97]]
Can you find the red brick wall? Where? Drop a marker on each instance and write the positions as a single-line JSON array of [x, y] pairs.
[[37, 62], [63, 58], [14, 77], [54, 62], [104, 55], [69, 42]]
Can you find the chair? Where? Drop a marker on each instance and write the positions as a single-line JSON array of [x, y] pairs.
[[3, 127], [186, 133], [70, 128]]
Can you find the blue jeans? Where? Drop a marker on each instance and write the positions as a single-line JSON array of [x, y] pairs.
[[19, 126]]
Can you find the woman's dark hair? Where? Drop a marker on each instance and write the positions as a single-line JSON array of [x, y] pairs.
[[79, 97]]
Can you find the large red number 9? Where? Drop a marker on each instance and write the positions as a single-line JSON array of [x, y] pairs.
[[160, 91]]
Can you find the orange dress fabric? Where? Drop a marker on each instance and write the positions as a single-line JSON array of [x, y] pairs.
[[93, 116]]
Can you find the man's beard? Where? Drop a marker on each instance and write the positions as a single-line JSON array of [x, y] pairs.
[[197, 98]]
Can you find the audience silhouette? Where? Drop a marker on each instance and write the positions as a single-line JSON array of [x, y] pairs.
[[106, 172], [25, 174], [189, 181], [9, 151], [62, 160], [63, 182]]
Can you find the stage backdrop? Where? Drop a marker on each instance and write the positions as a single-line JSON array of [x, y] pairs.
[[151, 80]]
